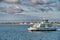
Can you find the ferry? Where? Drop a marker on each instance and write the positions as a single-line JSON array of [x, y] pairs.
[[43, 26]]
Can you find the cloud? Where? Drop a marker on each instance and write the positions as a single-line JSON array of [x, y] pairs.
[[35, 1], [30, 13], [11, 0], [45, 1], [58, 6], [11, 9], [1, 0]]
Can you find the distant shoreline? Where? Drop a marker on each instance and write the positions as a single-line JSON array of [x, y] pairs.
[[26, 22]]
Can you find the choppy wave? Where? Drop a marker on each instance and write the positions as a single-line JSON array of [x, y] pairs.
[[20, 32]]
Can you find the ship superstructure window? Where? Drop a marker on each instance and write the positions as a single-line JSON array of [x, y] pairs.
[[42, 25], [49, 25]]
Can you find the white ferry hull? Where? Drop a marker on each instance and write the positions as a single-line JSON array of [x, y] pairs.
[[42, 29]]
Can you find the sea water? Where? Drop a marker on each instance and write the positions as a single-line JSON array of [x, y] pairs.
[[20, 32]]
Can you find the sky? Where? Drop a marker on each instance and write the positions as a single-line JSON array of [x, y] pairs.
[[29, 10]]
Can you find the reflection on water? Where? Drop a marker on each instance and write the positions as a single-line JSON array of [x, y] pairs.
[[20, 32]]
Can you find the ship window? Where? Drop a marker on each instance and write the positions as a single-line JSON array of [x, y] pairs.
[[42, 25], [49, 25]]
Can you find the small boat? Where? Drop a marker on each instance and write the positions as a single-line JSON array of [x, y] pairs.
[[43, 26]]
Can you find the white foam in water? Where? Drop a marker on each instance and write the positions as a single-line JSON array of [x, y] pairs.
[[58, 29]]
